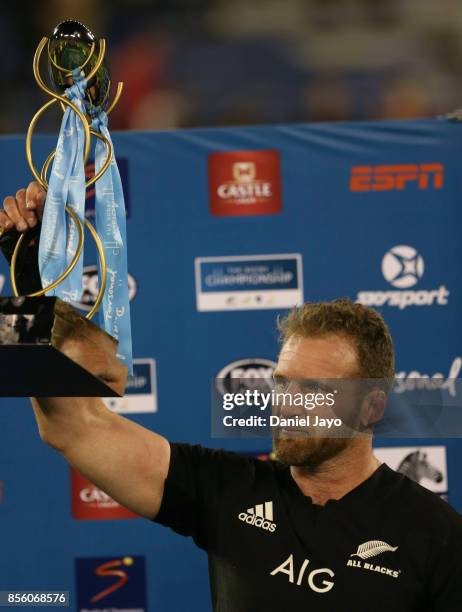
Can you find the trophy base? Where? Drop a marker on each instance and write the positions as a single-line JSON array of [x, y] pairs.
[[48, 349]]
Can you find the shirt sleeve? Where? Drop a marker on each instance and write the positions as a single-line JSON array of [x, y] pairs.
[[446, 574], [195, 485]]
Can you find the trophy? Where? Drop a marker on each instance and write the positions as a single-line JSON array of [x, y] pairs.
[[48, 348]]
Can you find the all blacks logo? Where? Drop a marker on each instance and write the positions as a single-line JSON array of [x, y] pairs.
[[90, 288], [253, 374]]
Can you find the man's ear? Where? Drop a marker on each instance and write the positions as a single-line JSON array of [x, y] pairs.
[[373, 408]]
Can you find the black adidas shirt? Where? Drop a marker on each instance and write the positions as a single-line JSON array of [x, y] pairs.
[[389, 545]]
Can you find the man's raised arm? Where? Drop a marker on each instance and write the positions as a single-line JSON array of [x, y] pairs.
[[127, 461]]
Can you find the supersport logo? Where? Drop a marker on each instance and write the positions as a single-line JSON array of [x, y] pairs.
[[396, 177], [108, 569]]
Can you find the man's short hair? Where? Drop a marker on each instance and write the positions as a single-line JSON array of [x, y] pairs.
[[361, 324]]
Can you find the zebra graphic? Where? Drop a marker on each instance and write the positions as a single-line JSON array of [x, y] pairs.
[[416, 466]]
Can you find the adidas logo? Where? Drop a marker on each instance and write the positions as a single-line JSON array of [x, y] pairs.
[[261, 515]]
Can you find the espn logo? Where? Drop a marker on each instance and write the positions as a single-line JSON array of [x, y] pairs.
[[389, 178]]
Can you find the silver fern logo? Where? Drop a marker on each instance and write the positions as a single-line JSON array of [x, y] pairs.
[[372, 549]]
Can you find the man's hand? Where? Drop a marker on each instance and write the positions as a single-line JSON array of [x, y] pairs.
[[24, 210]]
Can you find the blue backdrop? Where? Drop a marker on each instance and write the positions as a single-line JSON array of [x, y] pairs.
[[350, 194]]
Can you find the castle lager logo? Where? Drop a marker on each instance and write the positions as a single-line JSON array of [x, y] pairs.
[[244, 183], [246, 172], [90, 503]]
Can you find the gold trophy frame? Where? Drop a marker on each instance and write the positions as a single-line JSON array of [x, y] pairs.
[[41, 176], [36, 330]]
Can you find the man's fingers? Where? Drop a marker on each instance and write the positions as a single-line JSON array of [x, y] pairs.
[[24, 210], [35, 198], [5, 222], [28, 215], [10, 207]]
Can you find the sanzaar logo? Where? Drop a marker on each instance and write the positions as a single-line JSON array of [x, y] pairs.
[[402, 267], [90, 288]]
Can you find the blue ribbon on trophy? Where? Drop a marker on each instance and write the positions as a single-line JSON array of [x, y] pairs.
[[58, 240], [111, 227], [66, 187]]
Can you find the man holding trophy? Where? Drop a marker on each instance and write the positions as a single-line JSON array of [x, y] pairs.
[[344, 531]]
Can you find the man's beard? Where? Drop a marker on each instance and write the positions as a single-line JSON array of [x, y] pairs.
[[308, 452]]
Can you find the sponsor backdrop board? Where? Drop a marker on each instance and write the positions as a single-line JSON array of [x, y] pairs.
[[227, 228]]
